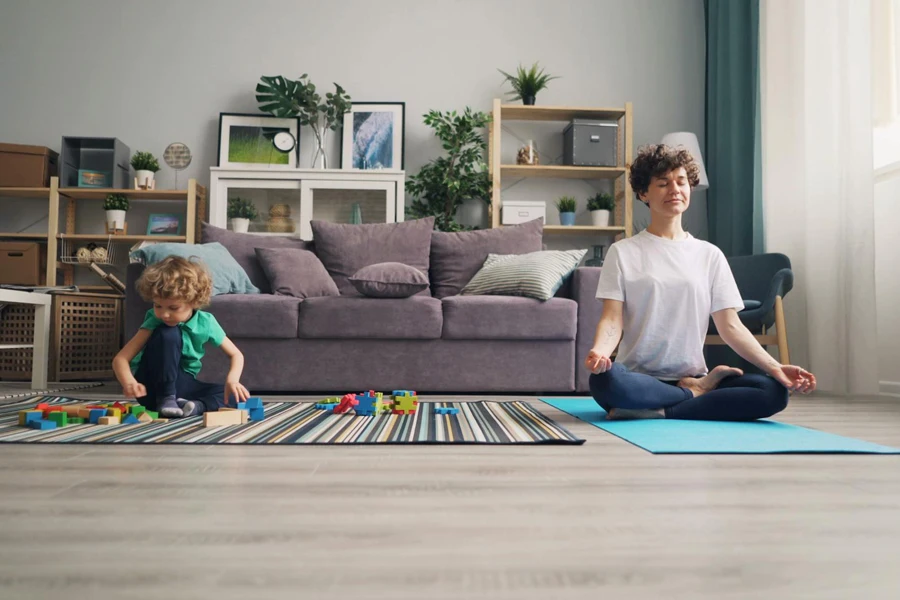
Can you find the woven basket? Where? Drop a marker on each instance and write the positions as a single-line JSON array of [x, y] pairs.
[[280, 210], [281, 225]]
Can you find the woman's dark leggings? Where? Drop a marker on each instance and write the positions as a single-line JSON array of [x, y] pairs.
[[739, 398]]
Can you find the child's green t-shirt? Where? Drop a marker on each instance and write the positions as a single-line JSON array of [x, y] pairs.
[[201, 328]]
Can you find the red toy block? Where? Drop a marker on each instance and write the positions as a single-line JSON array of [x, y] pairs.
[[346, 403], [42, 406]]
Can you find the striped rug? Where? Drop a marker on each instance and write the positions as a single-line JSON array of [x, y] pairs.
[[302, 423]]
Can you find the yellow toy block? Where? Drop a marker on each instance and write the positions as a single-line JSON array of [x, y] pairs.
[[114, 412]]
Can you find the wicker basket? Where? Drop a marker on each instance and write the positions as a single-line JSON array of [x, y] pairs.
[[280, 210], [281, 225], [85, 335]]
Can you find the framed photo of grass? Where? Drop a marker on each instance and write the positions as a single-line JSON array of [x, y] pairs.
[[164, 224], [249, 141], [372, 136]]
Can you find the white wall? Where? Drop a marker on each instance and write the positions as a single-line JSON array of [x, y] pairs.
[[151, 73], [887, 281]]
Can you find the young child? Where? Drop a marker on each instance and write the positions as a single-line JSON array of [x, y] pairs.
[[159, 364]]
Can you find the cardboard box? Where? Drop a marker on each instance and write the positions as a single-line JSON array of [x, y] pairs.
[[21, 263], [27, 166], [522, 211]]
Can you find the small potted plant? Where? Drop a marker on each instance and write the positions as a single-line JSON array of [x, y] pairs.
[[601, 206], [241, 212], [145, 167], [566, 207], [115, 205], [526, 83]]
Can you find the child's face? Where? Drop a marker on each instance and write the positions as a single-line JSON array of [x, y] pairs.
[[172, 311]]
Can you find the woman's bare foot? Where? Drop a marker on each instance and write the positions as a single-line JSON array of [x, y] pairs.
[[701, 385]]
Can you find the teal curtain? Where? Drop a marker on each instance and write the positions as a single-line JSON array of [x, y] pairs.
[[733, 154]]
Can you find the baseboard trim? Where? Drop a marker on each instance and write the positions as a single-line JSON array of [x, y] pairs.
[[889, 388]]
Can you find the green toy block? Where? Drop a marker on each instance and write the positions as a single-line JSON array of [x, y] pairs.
[[76, 421], [155, 415], [136, 409], [59, 417], [333, 400]]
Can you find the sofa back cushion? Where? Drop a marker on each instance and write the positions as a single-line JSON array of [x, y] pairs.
[[242, 246], [295, 272], [345, 249], [227, 275], [456, 257]]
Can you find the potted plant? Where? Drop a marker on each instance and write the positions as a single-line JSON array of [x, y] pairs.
[[601, 206], [566, 207], [526, 83], [241, 212], [115, 205], [145, 166]]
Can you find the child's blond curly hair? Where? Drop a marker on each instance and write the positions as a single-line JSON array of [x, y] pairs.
[[176, 277]]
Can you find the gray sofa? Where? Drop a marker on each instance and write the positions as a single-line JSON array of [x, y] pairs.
[[452, 343]]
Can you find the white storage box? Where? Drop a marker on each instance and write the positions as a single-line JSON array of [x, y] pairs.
[[520, 211]]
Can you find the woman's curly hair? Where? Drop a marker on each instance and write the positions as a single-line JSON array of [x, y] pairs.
[[656, 160], [175, 277]]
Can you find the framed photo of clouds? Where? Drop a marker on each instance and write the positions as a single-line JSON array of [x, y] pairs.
[[258, 141], [373, 136]]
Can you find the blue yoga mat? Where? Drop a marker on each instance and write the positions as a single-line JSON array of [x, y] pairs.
[[661, 436]]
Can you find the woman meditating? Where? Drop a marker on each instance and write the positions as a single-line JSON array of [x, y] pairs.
[[659, 289]]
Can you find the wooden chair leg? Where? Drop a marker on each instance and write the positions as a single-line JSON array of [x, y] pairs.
[[781, 331]]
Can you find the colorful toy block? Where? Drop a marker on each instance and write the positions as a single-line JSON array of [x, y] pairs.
[[405, 405], [84, 413], [256, 414], [130, 420], [42, 424], [366, 404], [51, 410], [153, 415], [144, 417], [396, 393], [95, 414], [326, 407], [109, 421], [72, 410], [242, 406], [331, 400], [136, 409], [253, 402], [114, 412], [27, 416], [221, 417], [445, 410], [346, 403], [42, 406], [59, 417], [76, 421]]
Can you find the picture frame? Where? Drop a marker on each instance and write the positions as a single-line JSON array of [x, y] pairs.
[[373, 136], [165, 224], [247, 141]]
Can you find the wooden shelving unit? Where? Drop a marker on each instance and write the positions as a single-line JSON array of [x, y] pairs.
[[618, 174]]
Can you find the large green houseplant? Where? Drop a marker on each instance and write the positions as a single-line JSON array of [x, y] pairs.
[[441, 186], [282, 97]]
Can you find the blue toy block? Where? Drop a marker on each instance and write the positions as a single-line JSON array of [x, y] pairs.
[[42, 424], [257, 414], [129, 420], [254, 402], [95, 415], [242, 406], [326, 407], [444, 410], [367, 404]]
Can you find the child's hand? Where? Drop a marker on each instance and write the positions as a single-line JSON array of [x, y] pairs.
[[596, 363], [236, 389], [134, 390]]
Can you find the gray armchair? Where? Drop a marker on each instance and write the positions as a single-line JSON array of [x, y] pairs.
[[764, 280]]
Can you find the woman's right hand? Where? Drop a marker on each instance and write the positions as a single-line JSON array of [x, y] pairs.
[[597, 363], [134, 389]]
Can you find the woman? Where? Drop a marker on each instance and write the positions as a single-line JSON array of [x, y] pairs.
[[659, 288]]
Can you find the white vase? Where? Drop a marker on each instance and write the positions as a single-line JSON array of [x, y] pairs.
[[600, 218], [240, 225], [144, 179], [115, 219]]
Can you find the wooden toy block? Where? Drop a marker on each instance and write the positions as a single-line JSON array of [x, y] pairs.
[[153, 414], [136, 409], [51, 410], [27, 416], [42, 424], [405, 405], [256, 414], [72, 410], [143, 417], [95, 414], [76, 421], [347, 402], [222, 417], [114, 412], [130, 420], [161, 420], [59, 417], [109, 421], [84, 413], [254, 402], [42, 406]]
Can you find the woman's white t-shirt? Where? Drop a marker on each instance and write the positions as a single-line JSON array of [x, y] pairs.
[[669, 289]]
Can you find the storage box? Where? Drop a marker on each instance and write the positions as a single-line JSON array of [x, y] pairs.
[[521, 211], [27, 166], [85, 336], [590, 143], [97, 155], [21, 263]]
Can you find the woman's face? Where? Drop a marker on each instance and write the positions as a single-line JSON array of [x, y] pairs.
[[670, 194]]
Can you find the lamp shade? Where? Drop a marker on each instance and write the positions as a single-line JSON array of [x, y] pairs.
[[689, 141]]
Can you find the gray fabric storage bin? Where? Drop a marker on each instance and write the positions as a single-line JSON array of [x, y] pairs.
[[588, 143]]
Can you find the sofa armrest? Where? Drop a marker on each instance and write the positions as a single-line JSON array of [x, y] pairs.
[[584, 292], [135, 306]]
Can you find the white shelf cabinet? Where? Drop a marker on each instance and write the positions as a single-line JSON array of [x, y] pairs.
[[321, 194]]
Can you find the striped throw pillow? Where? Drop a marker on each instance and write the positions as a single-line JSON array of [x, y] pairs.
[[535, 275]]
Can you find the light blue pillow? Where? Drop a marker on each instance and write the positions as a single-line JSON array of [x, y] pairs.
[[227, 275]]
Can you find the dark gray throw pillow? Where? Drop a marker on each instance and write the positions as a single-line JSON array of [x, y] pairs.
[[296, 272], [389, 280]]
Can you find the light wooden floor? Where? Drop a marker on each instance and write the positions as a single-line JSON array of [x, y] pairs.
[[603, 520]]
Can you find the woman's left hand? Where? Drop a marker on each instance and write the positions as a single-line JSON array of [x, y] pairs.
[[236, 389], [794, 378]]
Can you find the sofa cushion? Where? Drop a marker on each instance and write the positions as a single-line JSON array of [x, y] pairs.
[[456, 257], [509, 318], [534, 275], [227, 275], [242, 246], [389, 280], [345, 249], [417, 318], [257, 316], [296, 272]]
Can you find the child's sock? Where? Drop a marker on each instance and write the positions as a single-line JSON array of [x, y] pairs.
[[193, 408], [168, 407]]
